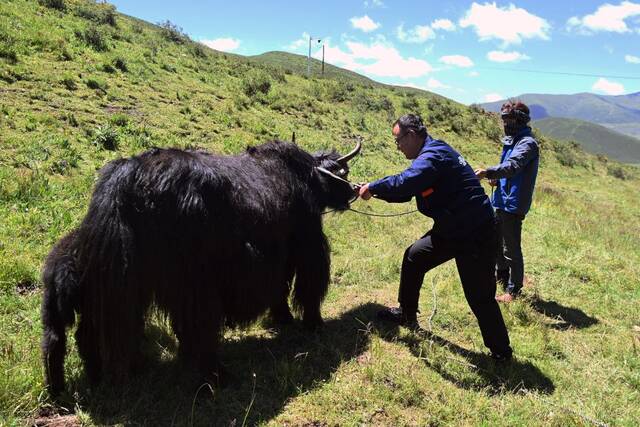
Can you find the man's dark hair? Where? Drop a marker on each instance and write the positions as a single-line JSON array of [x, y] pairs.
[[411, 122], [517, 110]]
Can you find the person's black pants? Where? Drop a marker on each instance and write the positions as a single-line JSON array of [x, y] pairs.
[[510, 263], [476, 260]]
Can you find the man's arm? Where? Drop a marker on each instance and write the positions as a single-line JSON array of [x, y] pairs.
[[521, 155], [402, 187]]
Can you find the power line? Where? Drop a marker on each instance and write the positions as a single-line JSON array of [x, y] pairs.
[[562, 73]]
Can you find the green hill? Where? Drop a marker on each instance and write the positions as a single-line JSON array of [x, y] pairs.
[[81, 85], [592, 137]]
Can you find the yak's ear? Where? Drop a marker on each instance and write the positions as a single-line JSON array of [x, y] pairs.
[[293, 137]]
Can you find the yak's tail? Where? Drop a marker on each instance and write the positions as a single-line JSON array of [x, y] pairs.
[[61, 296]]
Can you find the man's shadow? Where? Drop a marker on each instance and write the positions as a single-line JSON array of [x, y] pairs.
[[265, 373], [496, 377], [567, 317]]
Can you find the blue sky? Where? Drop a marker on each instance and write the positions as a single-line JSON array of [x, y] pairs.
[[465, 50]]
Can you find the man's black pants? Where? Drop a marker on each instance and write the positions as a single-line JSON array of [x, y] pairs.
[[476, 259]]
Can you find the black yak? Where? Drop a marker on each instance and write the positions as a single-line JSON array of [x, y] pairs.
[[210, 240]]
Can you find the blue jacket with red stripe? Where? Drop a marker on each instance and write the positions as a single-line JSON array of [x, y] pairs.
[[445, 187]]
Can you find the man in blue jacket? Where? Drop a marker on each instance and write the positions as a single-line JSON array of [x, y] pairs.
[[515, 179], [447, 190]]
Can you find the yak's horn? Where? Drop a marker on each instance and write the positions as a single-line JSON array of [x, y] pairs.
[[293, 137], [344, 159]]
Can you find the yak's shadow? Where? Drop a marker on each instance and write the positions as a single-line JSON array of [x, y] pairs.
[[265, 373], [567, 317], [512, 377]]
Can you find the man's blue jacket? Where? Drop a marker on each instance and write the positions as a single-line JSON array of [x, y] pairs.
[[445, 187], [516, 173]]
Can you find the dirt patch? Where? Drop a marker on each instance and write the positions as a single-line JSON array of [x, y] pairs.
[[26, 287], [47, 417]]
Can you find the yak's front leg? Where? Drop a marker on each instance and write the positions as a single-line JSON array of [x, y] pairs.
[[312, 263]]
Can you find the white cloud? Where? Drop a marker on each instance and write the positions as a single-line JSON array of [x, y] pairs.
[[608, 87], [303, 41], [223, 44], [474, 74], [436, 84], [364, 23], [378, 59], [493, 97], [501, 56], [607, 17], [443, 24], [632, 59], [509, 24], [418, 34], [457, 60], [373, 3]]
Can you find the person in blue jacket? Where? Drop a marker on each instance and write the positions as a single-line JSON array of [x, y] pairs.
[[514, 179], [446, 189]]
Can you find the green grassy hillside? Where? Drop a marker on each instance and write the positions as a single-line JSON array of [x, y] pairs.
[[592, 137], [81, 85]]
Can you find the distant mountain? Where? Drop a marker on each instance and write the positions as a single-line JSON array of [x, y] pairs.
[[620, 113], [592, 137]]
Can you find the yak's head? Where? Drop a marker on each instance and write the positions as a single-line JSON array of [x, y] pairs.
[[333, 171]]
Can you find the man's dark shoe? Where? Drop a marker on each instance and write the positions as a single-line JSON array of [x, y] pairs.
[[397, 315], [501, 358]]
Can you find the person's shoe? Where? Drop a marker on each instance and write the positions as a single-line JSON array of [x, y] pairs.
[[505, 298], [502, 357], [396, 315]]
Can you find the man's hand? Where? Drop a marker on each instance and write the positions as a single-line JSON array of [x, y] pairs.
[[364, 191], [481, 173], [493, 182]]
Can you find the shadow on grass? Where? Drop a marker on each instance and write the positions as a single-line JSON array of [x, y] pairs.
[[266, 372], [567, 316], [498, 378]]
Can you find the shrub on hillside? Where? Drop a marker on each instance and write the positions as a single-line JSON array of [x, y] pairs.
[[69, 82], [410, 104], [101, 13], [95, 38], [566, 153], [106, 137], [617, 171], [121, 64], [256, 82], [53, 4], [93, 83], [172, 32]]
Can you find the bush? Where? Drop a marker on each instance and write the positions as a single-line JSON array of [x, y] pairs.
[[53, 4], [95, 38], [618, 172], [172, 32], [106, 137], [97, 84], [410, 104], [256, 82], [102, 13], [108, 68], [121, 64], [69, 82], [119, 119]]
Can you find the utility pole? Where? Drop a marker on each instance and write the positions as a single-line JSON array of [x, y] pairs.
[[309, 56], [323, 60]]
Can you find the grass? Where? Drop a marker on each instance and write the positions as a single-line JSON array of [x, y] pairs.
[[575, 332]]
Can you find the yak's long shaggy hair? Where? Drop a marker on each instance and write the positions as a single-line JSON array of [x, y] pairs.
[[210, 240]]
